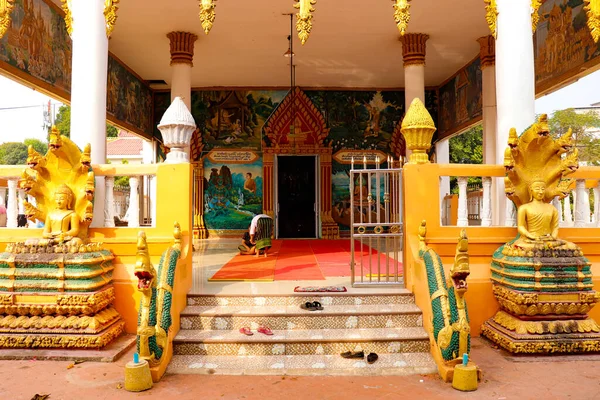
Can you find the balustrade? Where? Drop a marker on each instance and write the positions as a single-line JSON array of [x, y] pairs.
[[123, 206], [474, 206]]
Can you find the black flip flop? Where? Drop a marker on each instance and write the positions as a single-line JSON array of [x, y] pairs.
[[372, 357], [317, 305], [353, 354], [308, 306]]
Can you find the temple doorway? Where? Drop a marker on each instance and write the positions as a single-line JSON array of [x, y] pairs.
[[296, 197]]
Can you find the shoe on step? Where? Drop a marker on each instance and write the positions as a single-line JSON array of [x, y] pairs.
[[372, 357], [246, 331], [353, 354]]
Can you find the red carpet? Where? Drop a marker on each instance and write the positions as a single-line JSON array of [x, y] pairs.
[[294, 260]]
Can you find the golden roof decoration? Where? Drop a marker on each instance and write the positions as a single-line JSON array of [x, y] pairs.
[[110, 15], [6, 7], [592, 9], [207, 14], [304, 18], [402, 14]]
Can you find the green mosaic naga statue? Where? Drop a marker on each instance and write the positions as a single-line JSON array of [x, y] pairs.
[[450, 320], [156, 286]]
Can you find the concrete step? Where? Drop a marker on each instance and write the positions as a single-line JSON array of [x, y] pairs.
[[301, 342], [398, 296], [322, 365], [294, 317]]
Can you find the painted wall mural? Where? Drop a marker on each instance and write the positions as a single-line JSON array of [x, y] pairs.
[[358, 121], [563, 43], [233, 187], [128, 98], [38, 49], [460, 100], [37, 44]]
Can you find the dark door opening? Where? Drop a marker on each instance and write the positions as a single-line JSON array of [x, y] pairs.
[[296, 196]]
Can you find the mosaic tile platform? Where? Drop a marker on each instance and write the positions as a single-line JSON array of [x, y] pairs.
[[303, 342]]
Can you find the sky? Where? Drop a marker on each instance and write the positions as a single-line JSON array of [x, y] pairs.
[[22, 108]]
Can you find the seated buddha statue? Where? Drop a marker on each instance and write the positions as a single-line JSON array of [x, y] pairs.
[[62, 223], [537, 222]]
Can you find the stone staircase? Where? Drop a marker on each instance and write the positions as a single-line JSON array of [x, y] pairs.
[[303, 342]]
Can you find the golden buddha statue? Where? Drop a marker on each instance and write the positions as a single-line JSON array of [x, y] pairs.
[[62, 223], [538, 220]]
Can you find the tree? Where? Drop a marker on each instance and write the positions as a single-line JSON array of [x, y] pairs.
[[13, 153], [63, 123], [584, 137], [467, 148], [37, 144]]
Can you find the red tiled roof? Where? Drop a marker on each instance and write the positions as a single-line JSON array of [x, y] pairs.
[[124, 146]]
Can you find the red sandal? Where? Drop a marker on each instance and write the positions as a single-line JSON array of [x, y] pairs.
[[265, 330], [246, 331]]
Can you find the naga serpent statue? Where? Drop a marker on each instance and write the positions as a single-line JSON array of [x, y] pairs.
[[451, 331], [156, 286]]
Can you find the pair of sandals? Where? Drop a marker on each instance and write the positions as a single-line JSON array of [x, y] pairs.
[[261, 329], [371, 358], [314, 306]]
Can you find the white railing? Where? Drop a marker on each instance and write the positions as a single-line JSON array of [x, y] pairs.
[[133, 207], [476, 207]]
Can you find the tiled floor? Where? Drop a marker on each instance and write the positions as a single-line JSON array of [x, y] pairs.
[[212, 254]]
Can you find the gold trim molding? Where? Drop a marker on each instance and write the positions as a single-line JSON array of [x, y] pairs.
[[6, 7], [592, 9], [110, 15], [402, 15], [207, 14], [66, 7], [535, 16], [545, 327], [304, 18], [414, 47], [59, 324]]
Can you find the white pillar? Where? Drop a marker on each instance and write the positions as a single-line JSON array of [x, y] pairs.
[[510, 213], [12, 209], [596, 204], [558, 205], [487, 56], [567, 211], [88, 87], [582, 205], [515, 79], [109, 202], [20, 204], [413, 57], [442, 155], [486, 209], [133, 217], [463, 217]]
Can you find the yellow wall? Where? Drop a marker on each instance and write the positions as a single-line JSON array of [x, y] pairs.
[[421, 182]]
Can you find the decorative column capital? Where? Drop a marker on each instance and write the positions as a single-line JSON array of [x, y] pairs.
[[487, 51], [413, 48], [182, 47]]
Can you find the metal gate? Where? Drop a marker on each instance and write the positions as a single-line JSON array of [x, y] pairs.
[[376, 230]]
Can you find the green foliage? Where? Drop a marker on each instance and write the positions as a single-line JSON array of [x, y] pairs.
[[467, 148], [582, 125], [122, 181], [13, 153], [37, 144], [63, 123]]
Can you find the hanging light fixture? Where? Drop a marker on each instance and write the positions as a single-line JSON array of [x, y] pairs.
[[289, 52]]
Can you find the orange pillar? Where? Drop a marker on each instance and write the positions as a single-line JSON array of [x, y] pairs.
[[268, 191]]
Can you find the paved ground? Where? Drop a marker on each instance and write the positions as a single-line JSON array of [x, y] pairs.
[[505, 378]]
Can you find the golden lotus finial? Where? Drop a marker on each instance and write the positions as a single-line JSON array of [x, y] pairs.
[[6, 7], [304, 18], [207, 14], [177, 235], [402, 15], [418, 128], [422, 234]]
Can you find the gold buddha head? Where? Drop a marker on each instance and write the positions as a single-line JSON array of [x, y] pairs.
[[63, 197], [537, 190]]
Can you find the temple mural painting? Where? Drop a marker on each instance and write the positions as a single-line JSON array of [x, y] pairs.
[[460, 98], [37, 45], [128, 98], [233, 188], [563, 43]]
